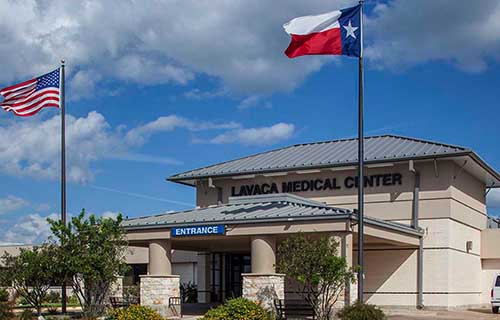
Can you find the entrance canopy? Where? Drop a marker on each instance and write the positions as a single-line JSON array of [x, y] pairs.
[[241, 217]]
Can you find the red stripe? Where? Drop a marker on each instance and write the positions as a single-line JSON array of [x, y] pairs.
[[19, 97], [19, 92], [325, 42], [35, 111], [22, 84], [35, 96], [37, 103]]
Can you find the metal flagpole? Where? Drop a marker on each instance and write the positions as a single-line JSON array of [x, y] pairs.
[[63, 168], [361, 156]]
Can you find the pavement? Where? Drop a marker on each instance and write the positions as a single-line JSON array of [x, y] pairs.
[[474, 314]]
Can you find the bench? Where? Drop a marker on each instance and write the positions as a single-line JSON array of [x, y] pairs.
[[117, 302], [175, 306], [293, 309], [120, 302]]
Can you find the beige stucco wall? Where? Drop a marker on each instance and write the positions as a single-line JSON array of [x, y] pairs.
[[452, 210], [490, 248]]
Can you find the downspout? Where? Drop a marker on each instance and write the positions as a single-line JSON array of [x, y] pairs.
[[420, 258]]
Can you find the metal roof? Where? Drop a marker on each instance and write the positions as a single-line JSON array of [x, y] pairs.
[[255, 209], [327, 154]]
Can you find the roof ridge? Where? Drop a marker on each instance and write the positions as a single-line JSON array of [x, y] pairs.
[[279, 197], [427, 141], [270, 153]]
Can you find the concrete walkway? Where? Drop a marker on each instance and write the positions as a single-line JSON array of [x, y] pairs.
[[196, 312], [476, 314]]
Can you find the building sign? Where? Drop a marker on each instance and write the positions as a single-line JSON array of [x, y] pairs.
[[198, 231], [375, 180]]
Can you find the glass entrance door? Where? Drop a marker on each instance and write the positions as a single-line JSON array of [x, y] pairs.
[[235, 265]]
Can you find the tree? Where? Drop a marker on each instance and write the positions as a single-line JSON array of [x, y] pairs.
[[31, 273], [5, 305], [317, 269], [91, 255]]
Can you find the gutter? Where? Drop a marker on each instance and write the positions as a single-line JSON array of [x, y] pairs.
[[349, 216], [415, 218]]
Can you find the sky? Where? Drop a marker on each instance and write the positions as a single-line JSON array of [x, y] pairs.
[[160, 87]]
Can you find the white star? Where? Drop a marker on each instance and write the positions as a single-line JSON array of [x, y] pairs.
[[350, 30]]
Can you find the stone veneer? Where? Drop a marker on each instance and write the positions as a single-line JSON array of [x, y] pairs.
[[156, 291], [264, 288]]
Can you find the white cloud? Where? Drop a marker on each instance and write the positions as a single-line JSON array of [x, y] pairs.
[[30, 229], [12, 203], [88, 139], [169, 123], [37, 149], [110, 214], [197, 94], [151, 42], [256, 136], [240, 43], [406, 33], [493, 199], [253, 102]]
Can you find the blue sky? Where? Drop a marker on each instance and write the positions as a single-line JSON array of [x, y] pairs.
[[154, 91]]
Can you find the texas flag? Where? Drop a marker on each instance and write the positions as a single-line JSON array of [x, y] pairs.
[[337, 32]]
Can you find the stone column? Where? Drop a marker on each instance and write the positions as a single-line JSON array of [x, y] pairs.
[[264, 285], [160, 285]]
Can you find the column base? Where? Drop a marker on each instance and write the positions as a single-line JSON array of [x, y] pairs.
[[156, 290], [264, 288]]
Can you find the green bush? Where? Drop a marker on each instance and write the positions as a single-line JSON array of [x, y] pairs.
[[27, 314], [236, 309], [134, 312], [52, 297], [5, 306], [359, 311], [189, 292]]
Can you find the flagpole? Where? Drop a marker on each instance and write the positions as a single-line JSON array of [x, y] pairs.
[[361, 156], [63, 168]]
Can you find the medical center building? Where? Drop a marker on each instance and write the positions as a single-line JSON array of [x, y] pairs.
[[428, 238]]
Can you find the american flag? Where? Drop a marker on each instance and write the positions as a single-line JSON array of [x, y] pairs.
[[29, 97]]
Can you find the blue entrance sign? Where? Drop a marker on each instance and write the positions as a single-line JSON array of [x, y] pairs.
[[198, 231]]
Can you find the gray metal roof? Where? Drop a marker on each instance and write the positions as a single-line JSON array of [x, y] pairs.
[[255, 209], [327, 154], [264, 207]]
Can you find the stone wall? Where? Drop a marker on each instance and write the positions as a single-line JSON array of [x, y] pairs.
[[264, 288], [156, 291]]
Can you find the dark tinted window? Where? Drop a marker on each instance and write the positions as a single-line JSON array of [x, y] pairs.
[[497, 284]]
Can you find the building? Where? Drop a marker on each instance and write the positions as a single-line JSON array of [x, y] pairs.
[[429, 241]]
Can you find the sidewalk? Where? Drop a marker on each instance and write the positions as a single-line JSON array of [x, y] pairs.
[[476, 314]]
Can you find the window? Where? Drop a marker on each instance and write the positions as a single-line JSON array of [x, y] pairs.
[[497, 284]]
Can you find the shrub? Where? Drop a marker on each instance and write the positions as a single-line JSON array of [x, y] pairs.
[[27, 314], [359, 311], [134, 312], [5, 306], [52, 297], [189, 292], [239, 308]]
